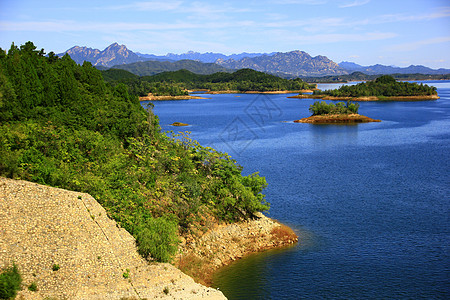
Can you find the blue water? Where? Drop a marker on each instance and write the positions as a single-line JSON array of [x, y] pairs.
[[370, 202]]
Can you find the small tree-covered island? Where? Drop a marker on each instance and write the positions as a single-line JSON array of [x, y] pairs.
[[323, 113], [384, 88]]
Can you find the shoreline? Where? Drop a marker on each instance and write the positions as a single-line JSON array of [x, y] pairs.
[[337, 119], [203, 256], [256, 92], [163, 98], [370, 98]]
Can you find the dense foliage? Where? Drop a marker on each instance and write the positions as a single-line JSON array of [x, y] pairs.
[[241, 80], [322, 108], [10, 281], [61, 125], [382, 86]]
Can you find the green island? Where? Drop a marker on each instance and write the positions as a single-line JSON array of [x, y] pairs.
[[176, 84], [62, 125], [384, 88], [339, 113]]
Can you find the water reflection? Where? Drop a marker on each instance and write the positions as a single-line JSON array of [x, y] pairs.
[[326, 136]]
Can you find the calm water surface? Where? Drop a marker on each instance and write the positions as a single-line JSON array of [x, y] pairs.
[[370, 202]]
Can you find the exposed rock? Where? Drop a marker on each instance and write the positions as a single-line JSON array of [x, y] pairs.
[[41, 226], [225, 243], [114, 54]]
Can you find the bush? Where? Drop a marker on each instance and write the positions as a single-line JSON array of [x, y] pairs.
[[33, 287], [158, 238], [10, 280], [322, 108]]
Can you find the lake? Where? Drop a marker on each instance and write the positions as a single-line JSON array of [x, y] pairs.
[[370, 202]]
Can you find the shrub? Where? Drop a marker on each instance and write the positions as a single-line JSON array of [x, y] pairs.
[[33, 287], [158, 238], [10, 280], [55, 267]]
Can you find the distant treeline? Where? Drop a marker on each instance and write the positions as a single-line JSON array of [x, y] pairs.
[[382, 86], [359, 76], [177, 82]]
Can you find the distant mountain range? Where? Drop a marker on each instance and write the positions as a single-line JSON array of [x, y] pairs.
[[208, 57], [287, 64], [151, 67], [296, 63], [381, 69]]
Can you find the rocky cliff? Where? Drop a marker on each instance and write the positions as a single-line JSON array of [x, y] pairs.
[[42, 227]]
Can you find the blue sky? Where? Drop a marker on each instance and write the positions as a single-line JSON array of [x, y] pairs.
[[367, 32]]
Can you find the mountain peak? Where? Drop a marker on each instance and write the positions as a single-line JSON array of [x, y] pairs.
[[114, 54]]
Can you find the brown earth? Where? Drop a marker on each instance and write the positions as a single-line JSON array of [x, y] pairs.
[[337, 119], [151, 97]]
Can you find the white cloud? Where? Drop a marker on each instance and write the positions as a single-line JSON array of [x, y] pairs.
[[148, 6], [300, 39], [302, 2], [418, 44], [355, 3], [438, 14]]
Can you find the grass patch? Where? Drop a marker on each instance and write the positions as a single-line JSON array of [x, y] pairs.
[[10, 281], [196, 267]]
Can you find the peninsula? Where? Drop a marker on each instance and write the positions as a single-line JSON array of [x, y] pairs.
[[70, 129], [339, 113], [384, 88]]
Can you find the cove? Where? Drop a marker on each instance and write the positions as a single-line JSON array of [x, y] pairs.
[[369, 201]]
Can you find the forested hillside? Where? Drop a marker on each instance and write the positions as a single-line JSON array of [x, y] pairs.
[[62, 125], [178, 81]]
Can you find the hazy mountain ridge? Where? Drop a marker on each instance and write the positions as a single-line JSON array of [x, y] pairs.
[[207, 57], [295, 63], [151, 67], [382, 69]]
